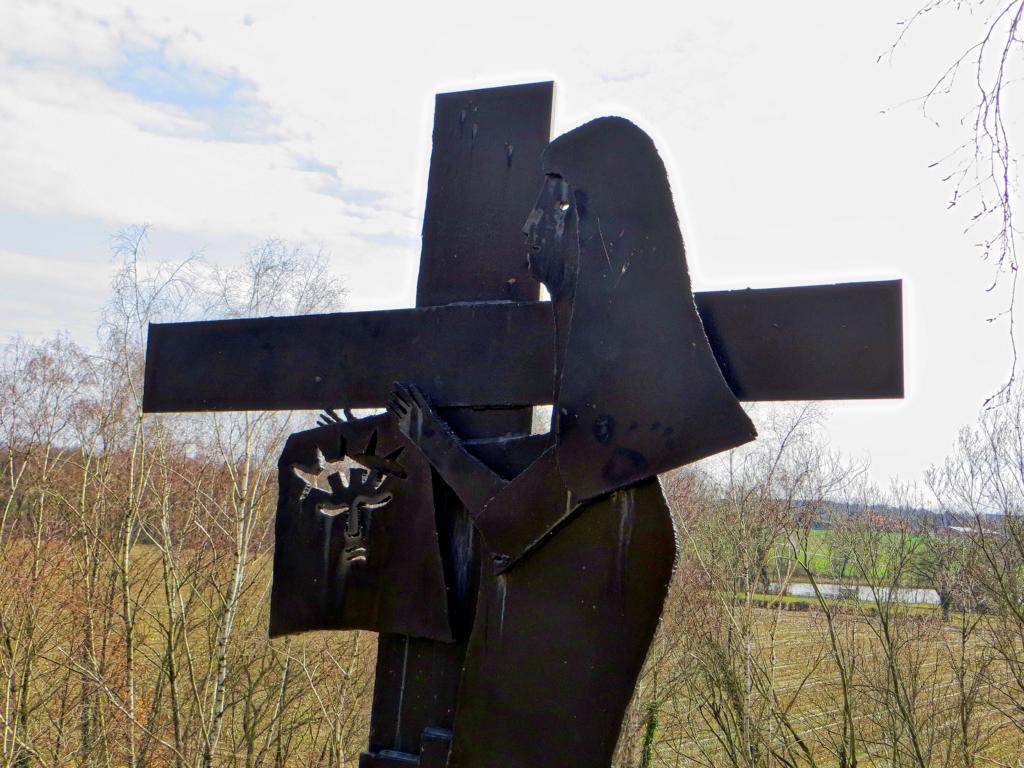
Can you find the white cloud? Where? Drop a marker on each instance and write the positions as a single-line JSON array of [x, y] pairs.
[[32, 286], [767, 116], [69, 146]]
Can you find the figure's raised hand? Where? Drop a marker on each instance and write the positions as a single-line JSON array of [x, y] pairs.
[[400, 408], [403, 408], [329, 418], [413, 412]]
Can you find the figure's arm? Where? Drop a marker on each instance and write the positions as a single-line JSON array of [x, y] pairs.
[[513, 515], [473, 481]]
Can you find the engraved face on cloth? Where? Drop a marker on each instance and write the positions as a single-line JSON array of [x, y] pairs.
[[548, 235]]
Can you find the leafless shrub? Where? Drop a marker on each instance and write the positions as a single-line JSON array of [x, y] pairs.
[[136, 550]]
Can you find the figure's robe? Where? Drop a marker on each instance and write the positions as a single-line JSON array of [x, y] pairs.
[[561, 634]]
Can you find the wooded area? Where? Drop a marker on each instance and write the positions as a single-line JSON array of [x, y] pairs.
[[136, 555]]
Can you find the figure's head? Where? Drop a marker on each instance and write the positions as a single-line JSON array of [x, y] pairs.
[[607, 174], [639, 390], [549, 236]]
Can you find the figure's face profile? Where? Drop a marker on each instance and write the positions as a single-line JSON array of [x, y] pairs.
[[547, 236]]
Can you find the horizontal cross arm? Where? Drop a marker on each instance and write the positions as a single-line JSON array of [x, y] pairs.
[[808, 343], [463, 354], [819, 342]]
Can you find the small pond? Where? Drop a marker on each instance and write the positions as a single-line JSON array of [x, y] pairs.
[[910, 596]]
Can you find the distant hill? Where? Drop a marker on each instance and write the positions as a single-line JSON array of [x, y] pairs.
[[887, 516]]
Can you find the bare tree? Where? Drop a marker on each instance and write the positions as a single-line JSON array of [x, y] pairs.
[[723, 691], [983, 170], [40, 384], [136, 548], [981, 485], [276, 277]]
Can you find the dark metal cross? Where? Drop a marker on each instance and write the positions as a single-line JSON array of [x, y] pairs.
[[481, 343]]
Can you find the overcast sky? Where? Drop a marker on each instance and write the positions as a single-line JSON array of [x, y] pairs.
[[221, 123]]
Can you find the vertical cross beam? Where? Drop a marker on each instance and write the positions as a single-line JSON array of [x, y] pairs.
[[484, 176], [484, 169]]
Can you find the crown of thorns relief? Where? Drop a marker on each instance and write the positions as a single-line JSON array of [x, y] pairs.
[[362, 490]]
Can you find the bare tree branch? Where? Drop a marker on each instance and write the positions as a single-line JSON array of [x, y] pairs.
[[983, 169]]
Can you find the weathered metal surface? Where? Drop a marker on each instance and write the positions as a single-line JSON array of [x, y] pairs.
[[561, 636], [564, 622], [545, 558], [415, 686], [639, 390], [820, 342], [485, 163], [365, 553], [578, 548], [350, 358]]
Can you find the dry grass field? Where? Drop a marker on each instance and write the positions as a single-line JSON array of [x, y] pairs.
[[135, 554], [727, 683], [785, 679]]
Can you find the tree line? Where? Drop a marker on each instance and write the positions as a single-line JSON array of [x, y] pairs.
[[136, 553]]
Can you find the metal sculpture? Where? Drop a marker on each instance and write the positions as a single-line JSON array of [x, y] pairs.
[[578, 548], [516, 580]]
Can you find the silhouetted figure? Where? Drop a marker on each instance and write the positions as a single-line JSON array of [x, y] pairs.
[[579, 547]]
